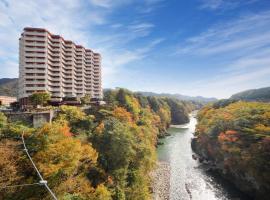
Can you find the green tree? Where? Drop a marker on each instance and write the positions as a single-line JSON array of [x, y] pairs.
[[3, 121], [115, 145], [40, 98], [72, 114], [179, 114], [86, 99], [78, 121]]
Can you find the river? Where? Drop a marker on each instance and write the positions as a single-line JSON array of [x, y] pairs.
[[188, 180]]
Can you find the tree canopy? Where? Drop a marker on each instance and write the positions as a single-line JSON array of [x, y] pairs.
[[237, 136], [40, 98], [105, 152]]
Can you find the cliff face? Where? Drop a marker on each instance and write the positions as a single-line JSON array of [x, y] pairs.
[[235, 142]]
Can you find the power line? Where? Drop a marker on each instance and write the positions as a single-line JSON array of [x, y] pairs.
[[42, 181]]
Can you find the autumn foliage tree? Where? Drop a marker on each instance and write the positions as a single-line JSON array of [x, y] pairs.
[[236, 135], [105, 152]]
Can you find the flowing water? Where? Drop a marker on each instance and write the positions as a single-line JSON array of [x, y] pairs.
[[188, 179]]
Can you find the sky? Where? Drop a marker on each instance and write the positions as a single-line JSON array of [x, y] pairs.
[[212, 48]]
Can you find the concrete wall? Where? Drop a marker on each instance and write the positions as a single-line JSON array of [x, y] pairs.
[[41, 118], [36, 119]]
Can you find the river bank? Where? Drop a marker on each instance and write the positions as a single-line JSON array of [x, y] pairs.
[[187, 178], [230, 144], [161, 181]]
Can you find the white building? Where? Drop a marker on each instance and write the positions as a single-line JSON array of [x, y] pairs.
[[50, 63]]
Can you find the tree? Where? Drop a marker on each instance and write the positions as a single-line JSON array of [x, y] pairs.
[[78, 121], [178, 113], [72, 114], [236, 135], [122, 114], [60, 152], [3, 121], [40, 98], [115, 144], [9, 158], [86, 99], [13, 168], [154, 104], [101, 193]]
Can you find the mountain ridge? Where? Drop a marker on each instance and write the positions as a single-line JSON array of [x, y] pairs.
[[181, 97], [9, 87], [260, 94]]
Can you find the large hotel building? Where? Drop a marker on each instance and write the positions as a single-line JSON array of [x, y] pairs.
[[47, 62]]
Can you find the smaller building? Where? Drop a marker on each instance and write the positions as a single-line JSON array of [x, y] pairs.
[[6, 100]]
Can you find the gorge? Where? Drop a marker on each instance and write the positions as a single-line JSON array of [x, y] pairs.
[[187, 178], [108, 152]]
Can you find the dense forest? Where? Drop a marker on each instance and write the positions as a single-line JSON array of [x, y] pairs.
[[234, 138], [198, 100], [105, 152]]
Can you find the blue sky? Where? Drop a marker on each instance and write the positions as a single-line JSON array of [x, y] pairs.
[[212, 48]]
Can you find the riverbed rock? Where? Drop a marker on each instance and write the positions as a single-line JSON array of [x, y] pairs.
[[194, 156], [161, 181], [160, 143]]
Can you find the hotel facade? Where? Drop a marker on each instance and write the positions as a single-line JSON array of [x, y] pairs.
[[47, 62]]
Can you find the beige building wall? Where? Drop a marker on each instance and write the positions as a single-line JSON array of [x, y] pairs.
[[49, 63], [7, 100]]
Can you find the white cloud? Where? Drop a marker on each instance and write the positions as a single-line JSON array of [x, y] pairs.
[[76, 20], [101, 3], [110, 3], [223, 4], [141, 29], [119, 59], [224, 85], [238, 51], [211, 4], [247, 33]]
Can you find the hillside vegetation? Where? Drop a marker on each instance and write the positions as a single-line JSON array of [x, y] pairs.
[[198, 99], [235, 138], [103, 153], [262, 94], [8, 87]]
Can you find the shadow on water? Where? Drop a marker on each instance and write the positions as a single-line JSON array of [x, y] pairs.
[[232, 192]]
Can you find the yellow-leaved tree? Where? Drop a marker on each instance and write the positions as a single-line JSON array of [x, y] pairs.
[[64, 160]]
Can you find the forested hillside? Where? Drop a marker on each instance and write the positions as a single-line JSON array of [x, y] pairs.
[[235, 138], [8, 87], [105, 152], [197, 99], [262, 94]]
